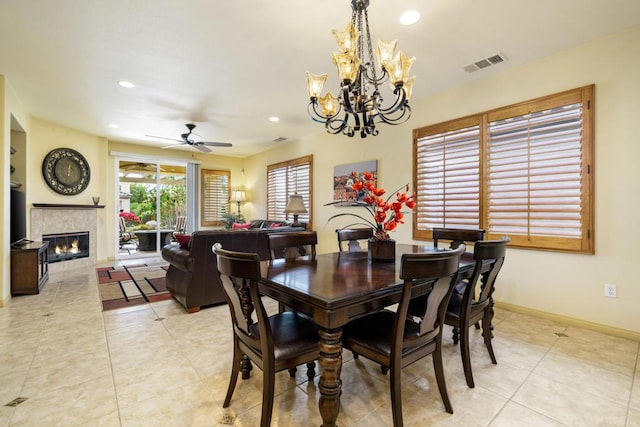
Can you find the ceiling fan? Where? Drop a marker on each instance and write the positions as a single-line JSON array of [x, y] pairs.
[[186, 140]]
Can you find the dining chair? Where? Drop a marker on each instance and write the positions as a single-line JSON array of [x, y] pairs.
[[395, 340], [352, 235], [273, 343], [465, 309], [457, 236], [293, 244]]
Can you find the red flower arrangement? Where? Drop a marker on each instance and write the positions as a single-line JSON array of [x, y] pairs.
[[386, 214], [130, 218]]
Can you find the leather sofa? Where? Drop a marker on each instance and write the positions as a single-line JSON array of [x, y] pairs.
[[192, 277]]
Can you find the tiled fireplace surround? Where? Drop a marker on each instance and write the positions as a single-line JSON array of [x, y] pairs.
[[52, 220]]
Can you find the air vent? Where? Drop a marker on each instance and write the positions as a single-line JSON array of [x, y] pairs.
[[485, 62], [280, 139]]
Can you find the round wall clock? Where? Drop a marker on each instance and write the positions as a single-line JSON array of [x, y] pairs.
[[66, 171]]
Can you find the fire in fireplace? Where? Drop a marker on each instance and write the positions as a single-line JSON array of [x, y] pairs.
[[67, 246]]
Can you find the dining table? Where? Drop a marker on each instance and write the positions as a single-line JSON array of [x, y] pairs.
[[333, 289]]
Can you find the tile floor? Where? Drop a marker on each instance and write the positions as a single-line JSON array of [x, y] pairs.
[[155, 365]]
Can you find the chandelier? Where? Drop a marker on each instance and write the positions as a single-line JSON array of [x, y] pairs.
[[360, 105]]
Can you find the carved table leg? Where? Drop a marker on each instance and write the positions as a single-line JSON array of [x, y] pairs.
[[330, 384]]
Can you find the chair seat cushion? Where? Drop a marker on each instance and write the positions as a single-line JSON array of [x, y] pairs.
[[375, 330], [293, 334]]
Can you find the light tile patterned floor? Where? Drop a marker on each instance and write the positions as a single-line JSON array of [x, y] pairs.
[[155, 365]]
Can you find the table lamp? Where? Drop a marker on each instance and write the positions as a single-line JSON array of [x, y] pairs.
[[295, 206], [238, 196]]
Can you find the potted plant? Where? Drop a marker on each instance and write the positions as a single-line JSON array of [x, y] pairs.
[[230, 218], [385, 214]]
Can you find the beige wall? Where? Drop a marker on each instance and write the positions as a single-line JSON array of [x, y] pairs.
[[44, 137], [556, 283], [10, 107]]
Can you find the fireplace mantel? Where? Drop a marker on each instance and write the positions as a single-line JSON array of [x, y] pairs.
[[66, 206]]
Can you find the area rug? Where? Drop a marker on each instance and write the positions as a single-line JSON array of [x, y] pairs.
[[133, 284]]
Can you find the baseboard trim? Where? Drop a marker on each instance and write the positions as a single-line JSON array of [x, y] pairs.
[[610, 330]]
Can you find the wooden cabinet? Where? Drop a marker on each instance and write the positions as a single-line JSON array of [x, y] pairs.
[[29, 268]]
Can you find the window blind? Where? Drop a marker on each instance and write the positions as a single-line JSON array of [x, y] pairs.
[[534, 173], [215, 196], [448, 179], [524, 170], [287, 178]]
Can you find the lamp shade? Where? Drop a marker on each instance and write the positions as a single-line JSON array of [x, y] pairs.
[[295, 205], [238, 196]]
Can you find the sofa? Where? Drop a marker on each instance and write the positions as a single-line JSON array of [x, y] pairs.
[[192, 277]]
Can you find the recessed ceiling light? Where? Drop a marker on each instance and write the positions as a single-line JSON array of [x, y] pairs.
[[125, 83], [410, 17], [113, 126], [274, 119]]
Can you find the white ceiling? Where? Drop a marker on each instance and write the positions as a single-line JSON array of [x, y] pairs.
[[230, 65]]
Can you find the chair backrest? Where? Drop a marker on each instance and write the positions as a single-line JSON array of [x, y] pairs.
[[485, 251], [181, 224], [457, 236], [292, 244], [239, 274], [352, 235], [442, 269], [123, 225]]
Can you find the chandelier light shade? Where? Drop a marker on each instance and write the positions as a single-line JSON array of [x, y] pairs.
[[238, 196], [359, 105], [295, 206]]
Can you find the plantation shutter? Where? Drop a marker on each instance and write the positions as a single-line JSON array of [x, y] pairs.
[[534, 174], [448, 177], [276, 192], [215, 196], [524, 171], [284, 179]]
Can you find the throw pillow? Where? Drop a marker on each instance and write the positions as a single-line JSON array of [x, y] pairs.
[[183, 240], [238, 225], [275, 225]]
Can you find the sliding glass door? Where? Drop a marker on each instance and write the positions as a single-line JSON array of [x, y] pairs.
[[153, 202]]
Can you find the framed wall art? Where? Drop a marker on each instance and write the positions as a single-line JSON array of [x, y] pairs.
[[343, 193]]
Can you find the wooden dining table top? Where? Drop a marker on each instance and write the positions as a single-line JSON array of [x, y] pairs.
[[336, 287]]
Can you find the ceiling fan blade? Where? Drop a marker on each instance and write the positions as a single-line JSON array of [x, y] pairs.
[[164, 137], [174, 145], [215, 144], [201, 148]]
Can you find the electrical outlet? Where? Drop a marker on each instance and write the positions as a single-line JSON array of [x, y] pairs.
[[609, 290]]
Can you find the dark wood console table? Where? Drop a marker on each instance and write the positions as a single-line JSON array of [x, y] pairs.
[[29, 268]]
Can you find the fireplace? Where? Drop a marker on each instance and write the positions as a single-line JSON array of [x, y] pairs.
[[67, 246]]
